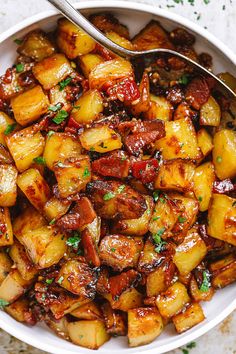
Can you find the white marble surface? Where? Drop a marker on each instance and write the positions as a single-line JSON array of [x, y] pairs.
[[222, 339]]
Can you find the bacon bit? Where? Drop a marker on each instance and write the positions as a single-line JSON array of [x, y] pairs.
[[224, 186], [197, 92], [7, 78], [145, 170], [26, 79], [90, 251], [3, 229], [114, 165], [72, 123], [105, 53], [123, 281], [85, 85], [125, 90]]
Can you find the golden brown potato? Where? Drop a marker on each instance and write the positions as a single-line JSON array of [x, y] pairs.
[[188, 318], [224, 153], [203, 180], [36, 45], [199, 295], [88, 62], [5, 265], [223, 271], [25, 145], [160, 108], [50, 71], [115, 321], [100, 139], [5, 122], [20, 310], [160, 279], [149, 258], [129, 299], [13, 286], [222, 218], [10, 88], [89, 311], [8, 177], [144, 325], [180, 141], [60, 327], [6, 234], [210, 113], [58, 96], [30, 105], [55, 208], [204, 141], [88, 334], [107, 22], [118, 39], [72, 40]]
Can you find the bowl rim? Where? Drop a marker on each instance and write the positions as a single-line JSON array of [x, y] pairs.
[[229, 54]]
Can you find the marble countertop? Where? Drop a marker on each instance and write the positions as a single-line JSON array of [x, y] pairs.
[[219, 17]]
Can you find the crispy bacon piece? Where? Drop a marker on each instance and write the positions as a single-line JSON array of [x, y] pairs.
[[197, 92], [115, 164], [125, 90], [90, 249], [145, 170], [119, 283], [104, 52], [224, 186]]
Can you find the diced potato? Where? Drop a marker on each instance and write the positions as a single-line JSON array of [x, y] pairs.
[[20, 258], [5, 156], [5, 265], [44, 245], [224, 153], [109, 71], [72, 175], [160, 279], [56, 96], [223, 271], [19, 310], [180, 141], [5, 121], [152, 36], [115, 321], [144, 325], [13, 286], [175, 175], [89, 311], [160, 108], [36, 45], [135, 227], [12, 88], [100, 139], [190, 252], [60, 146], [50, 71], [87, 107], [88, 334], [66, 303], [6, 234], [106, 22], [8, 176], [118, 39], [204, 141], [203, 180], [30, 105], [222, 218], [149, 258], [35, 188], [55, 208], [210, 113], [172, 301], [189, 318], [197, 294], [88, 62], [60, 327], [24, 146], [129, 299], [72, 40]]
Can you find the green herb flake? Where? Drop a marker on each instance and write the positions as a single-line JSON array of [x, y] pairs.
[[184, 79], [219, 159], [9, 129], [92, 148], [156, 218], [50, 133], [74, 240], [158, 240], [108, 196], [200, 199], [123, 158], [52, 222], [64, 83], [191, 345], [3, 303], [18, 41], [162, 200], [19, 68], [77, 107], [55, 108], [86, 172], [156, 195], [185, 351], [40, 160], [113, 249], [43, 297], [60, 280], [181, 219], [60, 117], [207, 2], [121, 188], [49, 281], [206, 284]]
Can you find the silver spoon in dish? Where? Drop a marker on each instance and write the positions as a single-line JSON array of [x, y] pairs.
[[68, 10]]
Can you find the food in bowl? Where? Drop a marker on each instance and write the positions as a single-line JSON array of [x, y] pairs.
[[117, 185]]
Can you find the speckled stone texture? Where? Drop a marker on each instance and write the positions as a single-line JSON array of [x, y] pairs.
[[219, 16]]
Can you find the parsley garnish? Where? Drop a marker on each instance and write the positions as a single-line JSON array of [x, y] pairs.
[[77, 107], [113, 249], [108, 196], [156, 195], [74, 240], [18, 41], [52, 222], [19, 68], [121, 188], [39, 160], [60, 280], [86, 172], [219, 159], [3, 303], [55, 108], [64, 83], [206, 284], [60, 117], [181, 219], [158, 240], [9, 129], [200, 199], [184, 79], [185, 351], [207, 2], [49, 281], [191, 345], [156, 218], [50, 133]]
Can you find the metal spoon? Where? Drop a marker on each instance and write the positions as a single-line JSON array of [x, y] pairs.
[[67, 9]]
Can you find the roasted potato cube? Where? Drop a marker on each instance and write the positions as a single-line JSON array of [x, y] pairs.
[[88, 334], [180, 141], [149, 258], [88, 62], [190, 252], [151, 37], [36, 45], [35, 188], [13, 286], [55, 208], [89, 311], [78, 278], [113, 199], [110, 70], [197, 294], [5, 122], [11, 88], [210, 113], [56, 96], [60, 327], [72, 40], [6, 234], [115, 321], [224, 153], [20, 311], [144, 325], [50, 71], [5, 265], [222, 218], [129, 299], [30, 105], [72, 175], [8, 176], [204, 141], [175, 175], [24, 146], [203, 180], [135, 227], [189, 318], [87, 107], [160, 279], [20, 258], [223, 271], [172, 301], [45, 245], [60, 146], [107, 22], [118, 39], [160, 108], [100, 139], [90, 237]]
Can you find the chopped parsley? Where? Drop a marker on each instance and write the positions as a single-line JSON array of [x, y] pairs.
[[206, 284], [50, 133], [60, 280], [219, 159], [74, 240], [49, 281], [55, 107], [60, 117], [40, 160], [162, 200], [158, 240], [92, 148], [64, 83], [113, 249], [108, 196], [19, 68], [191, 345], [121, 188], [77, 107], [207, 2], [3, 303], [181, 219], [184, 79], [200, 199], [185, 351], [9, 129], [52, 222], [86, 172], [18, 41], [156, 195], [156, 218]]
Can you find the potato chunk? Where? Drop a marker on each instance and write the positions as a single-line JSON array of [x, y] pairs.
[[8, 176], [13, 286], [210, 113], [72, 40], [5, 265], [222, 218], [203, 180], [30, 105], [20, 311], [55, 208], [224, 153], [35, 188], [50, 71], [180, 141], [107, 22], [88, 334], [160, 108], [204, 141], [160, 279], [5, 121], [6, 234], [100, 139], [88, 62], [188, 318], [118, 39], [129, 299], [223, 271], [144, 325], [89, 311], [24, 146], [115, 321]]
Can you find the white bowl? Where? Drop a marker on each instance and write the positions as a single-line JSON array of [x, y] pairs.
[[224, 302]]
